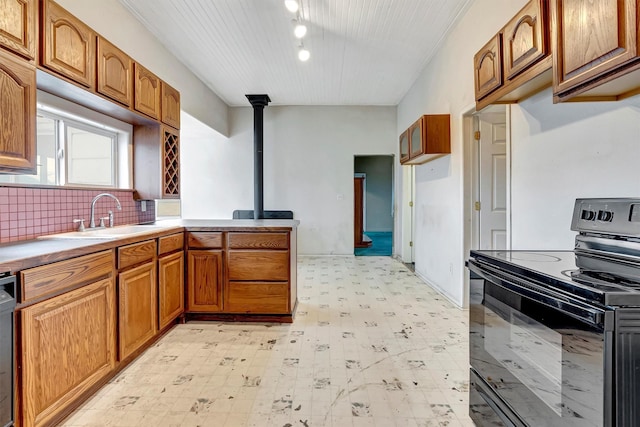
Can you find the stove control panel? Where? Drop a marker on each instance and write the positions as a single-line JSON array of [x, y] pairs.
[[619, 217]]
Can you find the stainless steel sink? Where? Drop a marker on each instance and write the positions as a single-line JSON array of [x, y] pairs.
[[106, 233]]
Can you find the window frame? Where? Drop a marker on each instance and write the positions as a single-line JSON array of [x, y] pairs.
[[78, 116]]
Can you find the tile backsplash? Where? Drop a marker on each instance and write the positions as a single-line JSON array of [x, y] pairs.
[[26, 213]]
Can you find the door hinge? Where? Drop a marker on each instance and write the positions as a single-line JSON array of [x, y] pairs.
[[476, 135], [477, 206], [410, 204], [410, 243]]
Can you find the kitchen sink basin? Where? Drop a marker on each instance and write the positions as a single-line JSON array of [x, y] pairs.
[[105, 233]]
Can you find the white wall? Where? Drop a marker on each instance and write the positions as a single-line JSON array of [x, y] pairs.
[[110, 19], [308, 168], [567, 151], [559, 153], [446, 86]]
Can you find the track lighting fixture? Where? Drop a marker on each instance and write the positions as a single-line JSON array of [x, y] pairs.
[[303, 54], [291, 5]]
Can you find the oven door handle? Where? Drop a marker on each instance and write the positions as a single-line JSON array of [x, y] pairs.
[[531, 290]]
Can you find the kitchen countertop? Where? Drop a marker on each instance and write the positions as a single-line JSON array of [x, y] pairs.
[[30, 253]]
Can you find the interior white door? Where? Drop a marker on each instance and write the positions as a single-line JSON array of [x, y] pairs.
[[493, 182]]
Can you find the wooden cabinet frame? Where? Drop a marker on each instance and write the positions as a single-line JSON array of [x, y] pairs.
[[521, 66]]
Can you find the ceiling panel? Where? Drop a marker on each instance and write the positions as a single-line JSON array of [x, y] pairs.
[[363, 52]]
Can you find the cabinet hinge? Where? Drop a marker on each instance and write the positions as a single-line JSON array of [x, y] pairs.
[[476, 135], [477, 206], [411, 244], [410, 204]]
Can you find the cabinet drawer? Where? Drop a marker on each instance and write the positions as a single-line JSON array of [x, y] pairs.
[[136, 253], [170, 243], [257, 297], [205, 240], [258, 240], [50, 279], [258, 265]]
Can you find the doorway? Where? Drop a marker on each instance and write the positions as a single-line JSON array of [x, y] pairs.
[[373, 210], [487, 177], [490, 205]]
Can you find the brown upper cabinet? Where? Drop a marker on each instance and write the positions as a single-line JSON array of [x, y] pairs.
[[525, 39], [68, 45], [516, 63], [170, 106], [428, 138], [115, 73], [156, 167], [146, 92], [595, 43], [487, 69], [18, 27], [18, 129]]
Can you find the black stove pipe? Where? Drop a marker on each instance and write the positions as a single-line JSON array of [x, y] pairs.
[[258, 102]]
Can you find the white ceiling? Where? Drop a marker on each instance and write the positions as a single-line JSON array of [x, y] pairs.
[[363, 52]]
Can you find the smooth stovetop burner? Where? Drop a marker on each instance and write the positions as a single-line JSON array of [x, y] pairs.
[[609, 283], [530, 256]]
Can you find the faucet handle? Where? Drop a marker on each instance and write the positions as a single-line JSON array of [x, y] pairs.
[[81, 226], [102, 218]]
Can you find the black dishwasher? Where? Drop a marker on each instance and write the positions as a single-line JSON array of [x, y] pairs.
[[7, 306]]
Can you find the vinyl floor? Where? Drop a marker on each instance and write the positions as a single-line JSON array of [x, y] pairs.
[[371, 345]]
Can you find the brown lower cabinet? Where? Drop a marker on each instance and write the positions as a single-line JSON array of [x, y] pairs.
[[204, 280], [82, 319], [137, 308], [242, 273], [68, 345], [137, 296], [170, 288]]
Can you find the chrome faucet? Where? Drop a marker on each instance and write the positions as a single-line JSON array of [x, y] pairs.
[[92, 223]]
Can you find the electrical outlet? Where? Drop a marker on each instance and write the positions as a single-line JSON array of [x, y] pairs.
[[143, 205]]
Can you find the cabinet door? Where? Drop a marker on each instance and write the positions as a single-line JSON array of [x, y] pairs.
[[525, 39], [146, 94], [69, 46], [68, 345], [170, 106], [416, 140], [115, 73], [204, 280], [170, 287], [171, 163], [18, 115], [591, 38], [488, 67], [404, 146], [138, 306], [18, 27]]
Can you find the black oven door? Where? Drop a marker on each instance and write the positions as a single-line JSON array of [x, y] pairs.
[[538, 354]]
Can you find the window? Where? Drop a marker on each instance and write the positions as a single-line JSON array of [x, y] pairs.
[[77, 147]]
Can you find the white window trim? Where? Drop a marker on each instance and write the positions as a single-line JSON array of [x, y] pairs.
[[50, 105]]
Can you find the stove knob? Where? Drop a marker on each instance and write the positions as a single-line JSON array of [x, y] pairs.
[[588, 215], [605, 216]]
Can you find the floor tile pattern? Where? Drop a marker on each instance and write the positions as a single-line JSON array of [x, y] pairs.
[[371, 345]]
